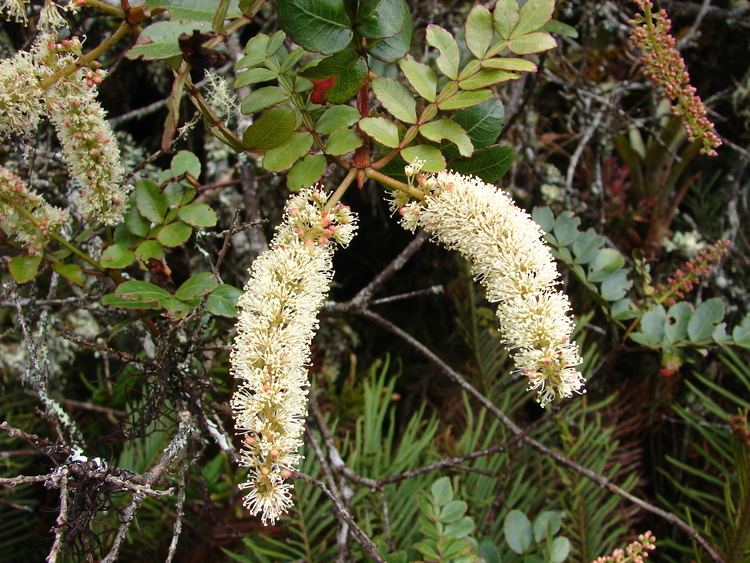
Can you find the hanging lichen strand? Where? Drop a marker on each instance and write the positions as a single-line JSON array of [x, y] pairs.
[[505, 249], [277, 322]]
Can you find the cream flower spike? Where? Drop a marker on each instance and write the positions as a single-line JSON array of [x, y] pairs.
[[14, 10], [20, 95], [277, 322], [507, 254], [87, 140], [24, 215]]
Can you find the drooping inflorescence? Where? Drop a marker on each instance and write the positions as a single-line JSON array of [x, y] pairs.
[[276, 324], [89, 146], [24, 215], [666, 68], [505, 249], [21, 104], [88, 142]]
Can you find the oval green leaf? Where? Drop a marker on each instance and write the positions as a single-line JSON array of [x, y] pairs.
[[174, 234]]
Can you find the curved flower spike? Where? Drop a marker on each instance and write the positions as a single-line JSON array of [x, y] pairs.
[[276, 324], [20, 95], [87, 140], [505, 249]]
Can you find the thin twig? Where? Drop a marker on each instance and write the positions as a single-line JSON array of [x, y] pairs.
[[179, 509], [364, 540], [363, 298], [555, 455], [61, 518]]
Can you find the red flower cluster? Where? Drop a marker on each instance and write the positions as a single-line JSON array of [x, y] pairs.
[[685, 279], [666, 68]]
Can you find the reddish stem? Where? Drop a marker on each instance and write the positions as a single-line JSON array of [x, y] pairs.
[[362, 154]]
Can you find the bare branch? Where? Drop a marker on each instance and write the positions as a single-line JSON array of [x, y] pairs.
[[555, 455], [364, 540]]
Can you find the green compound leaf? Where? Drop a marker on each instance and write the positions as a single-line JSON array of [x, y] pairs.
[[482, 122], [377, 19], [336, 117], [460, 529], [704, 320], [185, 162], [490, 163], [485, 78], [741, 333], [149, 200], [533, 15], [317, 25], [198, 215], [382, 130], [149, 249], [306, 172], [678, 316], [453, 511], [283, 156], [255, 52], [547, 523], [342, 141], [263, 98], [223, 301], [448, 129], [434, 161], [479, 31], [510, 64], [254, 76], [196, 286], [117, 257], [559, 550], [395, 98], [566, 228], [442, 491], [607, 260], [517, 530], [616, 285], [141, 291], [271, 129], [421, 77], [532, 43], [651, 328], [393, 48], [71, 272], [175, 308], [135, 223], [505, 17], [174, 234], [24, 268], [444, 42], [465, 99]]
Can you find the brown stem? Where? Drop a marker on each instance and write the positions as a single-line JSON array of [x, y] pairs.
[[88, 58], [554, 454]]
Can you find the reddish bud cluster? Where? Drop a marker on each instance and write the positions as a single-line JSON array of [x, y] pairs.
[[666, 68], [686, 278]]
